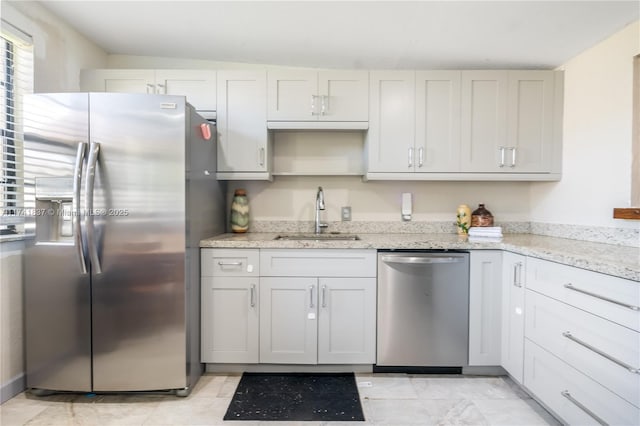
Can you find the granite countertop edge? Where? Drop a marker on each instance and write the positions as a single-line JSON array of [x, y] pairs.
[[620, 261]]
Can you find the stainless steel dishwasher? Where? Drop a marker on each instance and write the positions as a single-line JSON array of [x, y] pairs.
[[423, 310]]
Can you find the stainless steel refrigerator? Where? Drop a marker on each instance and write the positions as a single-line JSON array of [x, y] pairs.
[[120, 189]]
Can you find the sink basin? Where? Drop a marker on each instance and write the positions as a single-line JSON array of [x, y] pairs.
[[318, 237]]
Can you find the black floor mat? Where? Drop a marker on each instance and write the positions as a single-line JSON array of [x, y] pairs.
[[296, 397]]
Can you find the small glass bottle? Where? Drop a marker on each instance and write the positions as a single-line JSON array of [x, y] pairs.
[[240, 211], [463, 219], [481, 217]]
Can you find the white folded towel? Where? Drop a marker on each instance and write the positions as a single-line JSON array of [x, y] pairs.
[[489, 231]]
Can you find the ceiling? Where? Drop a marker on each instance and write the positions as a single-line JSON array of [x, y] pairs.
[[352, 34]]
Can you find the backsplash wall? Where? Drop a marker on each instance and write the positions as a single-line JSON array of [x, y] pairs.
[[292, 198]]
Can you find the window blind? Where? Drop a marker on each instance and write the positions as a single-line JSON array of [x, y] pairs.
[[16, 80]]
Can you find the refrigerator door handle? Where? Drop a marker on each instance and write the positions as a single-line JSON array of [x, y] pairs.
[[75, 206], [89, 180]]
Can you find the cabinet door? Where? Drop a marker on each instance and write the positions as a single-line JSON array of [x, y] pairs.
[[199, 86], [242, 127], [513, 275], [344, 95], [530, 121], [347, 321], [391, 136], [229, 319], [483, 127], [437, 121], [288, 325], [292, 95], [485, 314], [119, 81]]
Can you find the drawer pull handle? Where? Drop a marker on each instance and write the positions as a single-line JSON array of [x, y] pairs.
[[578, 404], [622, 364], [253, 295], [598, 296], [230, 263], [311, 304]]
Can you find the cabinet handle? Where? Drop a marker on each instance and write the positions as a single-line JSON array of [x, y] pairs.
[[313, 105], [261, 156], [324, 296], [517, 274], [253, 295], [150, 89], [598, 296], [323, 106], [578, 404], [311, 304], [502, 149], [230, 263], [420, 156], [410, 157], [513, 156], [622, 364], [164, 89]]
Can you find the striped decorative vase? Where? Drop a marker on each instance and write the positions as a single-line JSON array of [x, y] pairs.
[[240, 211]]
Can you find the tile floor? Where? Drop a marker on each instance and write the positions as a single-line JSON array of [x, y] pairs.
[[387, 399]]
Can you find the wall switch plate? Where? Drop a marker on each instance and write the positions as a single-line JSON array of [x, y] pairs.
[[346, 214]]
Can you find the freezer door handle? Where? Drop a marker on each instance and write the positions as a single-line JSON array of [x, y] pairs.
[[89, 181], [75, 206], [421, 260]]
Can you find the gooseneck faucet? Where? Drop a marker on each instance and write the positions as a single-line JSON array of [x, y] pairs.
[[319, 206]]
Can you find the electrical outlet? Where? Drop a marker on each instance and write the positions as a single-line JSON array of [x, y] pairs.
[[346, 214]]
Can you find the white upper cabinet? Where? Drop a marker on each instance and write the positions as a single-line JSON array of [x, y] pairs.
[[391, 138], [510, 121], [484, 120], [415, 122], [437, 147], [243, 142], [199, 86], [118, 81], [340, 96], [530, 121]]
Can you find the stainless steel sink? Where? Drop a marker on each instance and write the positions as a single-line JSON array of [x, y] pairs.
[[318, 237]]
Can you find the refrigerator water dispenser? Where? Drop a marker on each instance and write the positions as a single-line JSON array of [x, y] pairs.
[[54, 211]]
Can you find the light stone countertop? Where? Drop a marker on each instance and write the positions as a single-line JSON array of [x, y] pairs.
[[620, 261]]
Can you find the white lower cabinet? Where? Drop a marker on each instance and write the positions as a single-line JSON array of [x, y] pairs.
[[512, 342], [288, 312], [329, 319], [485, 314], [230, 320], [229, 286], [576, 398], [347, 321], [582, 344], [317, 320]]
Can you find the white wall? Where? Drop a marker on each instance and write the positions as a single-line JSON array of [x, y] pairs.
[[60, 51], [596, 170], [60, 54]]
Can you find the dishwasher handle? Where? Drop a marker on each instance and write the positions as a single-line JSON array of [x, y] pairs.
[[419, 260]]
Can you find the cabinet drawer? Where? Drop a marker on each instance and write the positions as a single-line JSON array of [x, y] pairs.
[[598, 348], [574, 397], [613, 298], [318, 263], [229, 263]]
